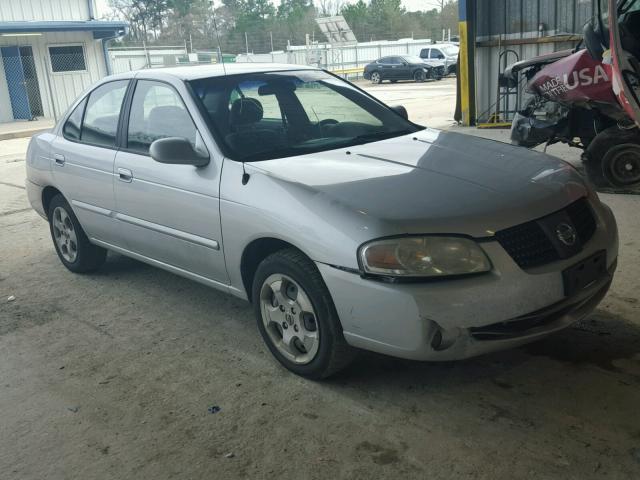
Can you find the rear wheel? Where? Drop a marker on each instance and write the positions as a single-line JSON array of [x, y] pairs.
[[376, 78], [419, 76], [71, 243], [296, 316]]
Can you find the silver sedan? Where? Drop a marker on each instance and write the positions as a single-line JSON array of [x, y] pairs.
[[344, 224]]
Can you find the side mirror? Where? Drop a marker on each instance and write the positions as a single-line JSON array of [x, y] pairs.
[[178, 151], [400, 110]]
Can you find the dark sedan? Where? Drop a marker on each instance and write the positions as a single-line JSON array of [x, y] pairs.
[[403, 67]]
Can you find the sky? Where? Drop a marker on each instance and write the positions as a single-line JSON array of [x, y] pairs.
[[411, 5]]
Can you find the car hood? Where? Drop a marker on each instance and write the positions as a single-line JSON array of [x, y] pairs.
[[432, 182]]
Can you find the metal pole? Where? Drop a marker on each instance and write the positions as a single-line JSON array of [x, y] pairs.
[[146, 54], [246, 42]]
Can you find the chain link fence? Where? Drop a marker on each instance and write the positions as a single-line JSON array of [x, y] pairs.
[[343, 59]]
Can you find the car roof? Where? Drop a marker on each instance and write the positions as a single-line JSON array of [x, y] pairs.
[[195, 72]]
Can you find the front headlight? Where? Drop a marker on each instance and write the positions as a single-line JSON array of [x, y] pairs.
[[429, 256]]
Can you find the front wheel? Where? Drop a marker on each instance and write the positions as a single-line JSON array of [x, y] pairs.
[[71, 243], [296, 316], [376, 78]]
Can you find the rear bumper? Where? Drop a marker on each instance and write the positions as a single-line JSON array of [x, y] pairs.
[[34, 194], [461, 318]]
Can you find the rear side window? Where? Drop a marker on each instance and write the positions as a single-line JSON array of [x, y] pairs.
[[103, 111], [71, 129], [157, 111]]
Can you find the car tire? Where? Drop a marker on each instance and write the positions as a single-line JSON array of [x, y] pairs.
[[604, 153], [292, 304], [71, 243], [419, 76], [376, 78]]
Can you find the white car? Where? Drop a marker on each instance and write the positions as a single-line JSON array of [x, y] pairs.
[[346, 225]]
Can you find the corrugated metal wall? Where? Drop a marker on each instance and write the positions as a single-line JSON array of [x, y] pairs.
[[526, 26], [47, 10], [57, 90]]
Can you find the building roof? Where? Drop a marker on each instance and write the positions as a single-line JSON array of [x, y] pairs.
[[100, 29]]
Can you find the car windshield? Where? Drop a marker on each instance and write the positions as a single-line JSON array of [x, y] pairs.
[[413, 59], [259, 116]]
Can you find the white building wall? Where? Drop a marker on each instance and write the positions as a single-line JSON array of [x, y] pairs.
[[66, 86], [44, 10]]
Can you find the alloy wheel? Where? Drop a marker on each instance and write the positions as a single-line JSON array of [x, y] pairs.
[[65, 235], [375, 77], [289, 319]]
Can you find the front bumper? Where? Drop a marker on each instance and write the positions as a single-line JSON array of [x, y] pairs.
[[460, 318]]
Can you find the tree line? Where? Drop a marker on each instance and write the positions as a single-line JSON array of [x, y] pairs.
[[261, 26]]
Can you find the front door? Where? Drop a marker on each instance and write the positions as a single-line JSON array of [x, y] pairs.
[[167, 213], [16, 83]]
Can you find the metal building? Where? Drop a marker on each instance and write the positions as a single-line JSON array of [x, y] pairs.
[[500, 31], [50, 50]]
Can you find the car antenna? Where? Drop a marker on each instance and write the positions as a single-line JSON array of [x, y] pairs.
[[245, 175]]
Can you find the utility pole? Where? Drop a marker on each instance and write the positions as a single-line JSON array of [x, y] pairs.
[[271, 36], [246, 42]]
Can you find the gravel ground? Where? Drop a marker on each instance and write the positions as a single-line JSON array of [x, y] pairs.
[[114, 375]]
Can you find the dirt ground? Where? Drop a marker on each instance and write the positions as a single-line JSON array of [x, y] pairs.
[[114, 375]]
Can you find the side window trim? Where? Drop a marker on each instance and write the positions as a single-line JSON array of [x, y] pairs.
[[123, 121], [82, 102]]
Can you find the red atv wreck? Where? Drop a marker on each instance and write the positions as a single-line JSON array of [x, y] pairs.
[[586, 98]]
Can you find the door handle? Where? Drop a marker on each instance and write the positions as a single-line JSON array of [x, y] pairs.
[[59, 159], [125, 175]]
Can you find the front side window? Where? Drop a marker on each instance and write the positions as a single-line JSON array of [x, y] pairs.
[[280, 114], [67, 58], [71, 129], [435, 53], [157, 111], [103, 111]]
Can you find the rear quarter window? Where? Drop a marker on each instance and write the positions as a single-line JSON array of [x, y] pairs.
[[102, 114], [71, 129]]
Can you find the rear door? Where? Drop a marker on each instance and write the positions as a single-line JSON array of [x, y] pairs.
[[83, 160], [168, 213], [625, 53]]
